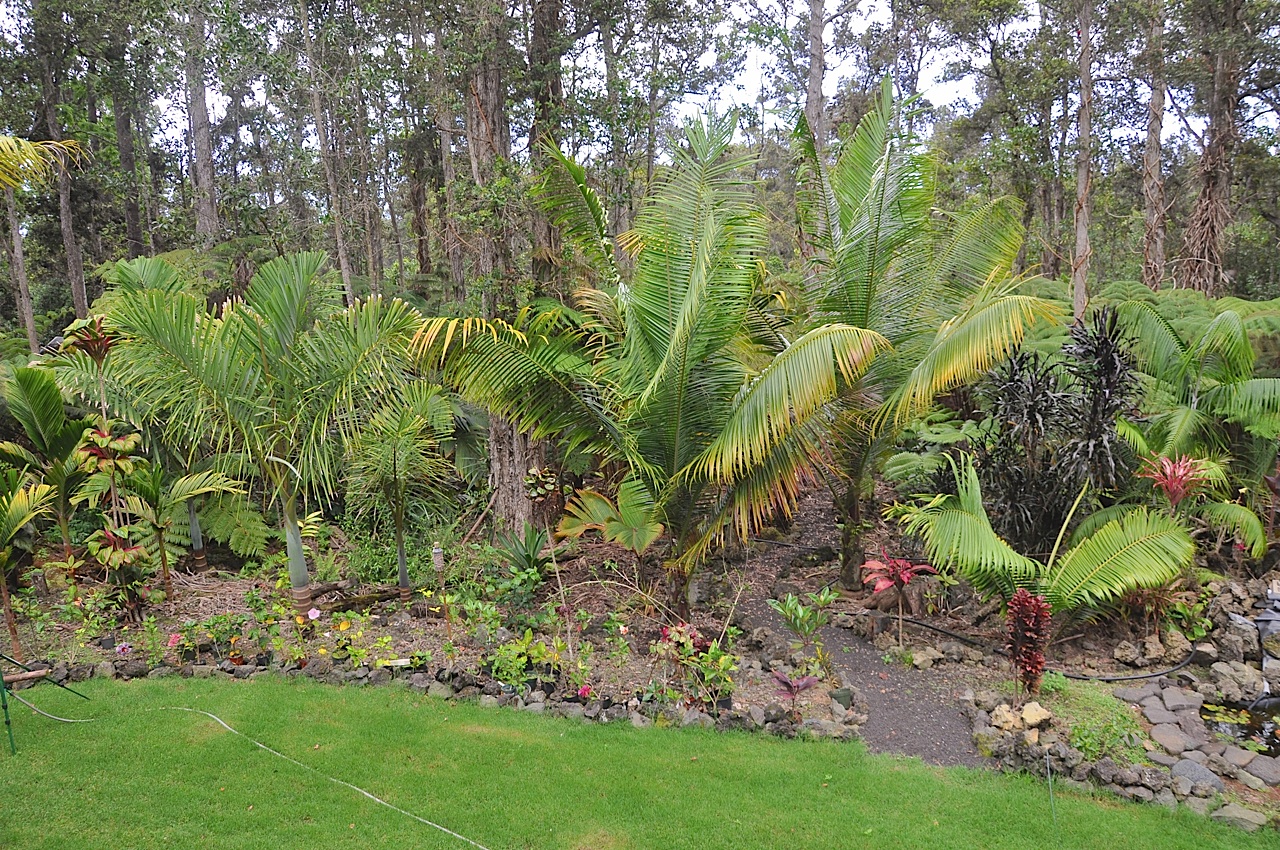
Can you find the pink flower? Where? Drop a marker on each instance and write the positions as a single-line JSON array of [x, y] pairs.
[[584, 691], [174, 640], [313, 614], [622, 630]]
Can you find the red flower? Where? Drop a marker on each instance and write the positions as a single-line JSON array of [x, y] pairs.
[[893, 572]]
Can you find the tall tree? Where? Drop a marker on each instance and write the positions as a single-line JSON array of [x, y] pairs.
[[1153, 214], [1084, 163], [202, 171]]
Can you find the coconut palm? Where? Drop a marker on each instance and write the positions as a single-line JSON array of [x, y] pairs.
[[54, 457], [938, 286], [396, 459], [657, 371], [21, 502], [155, 500], [1139, 549], [274, 382]]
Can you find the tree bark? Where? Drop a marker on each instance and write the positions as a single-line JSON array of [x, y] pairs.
[[1203, 265], [545, 49], [1084, 165], [1153, 260], [619, 184], [122, 108], [326, 155], [18, 261], [205, 194], [52, 96], [814, 103]]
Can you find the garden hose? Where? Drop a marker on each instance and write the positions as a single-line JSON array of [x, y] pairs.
[[215, 718]]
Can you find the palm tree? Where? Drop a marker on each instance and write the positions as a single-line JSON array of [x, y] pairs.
[[1107, 559], [938, 286], [1202, 391], [275, 382], [155, 500], [658, 371], [20, 503], [396, 458], [56, 442]]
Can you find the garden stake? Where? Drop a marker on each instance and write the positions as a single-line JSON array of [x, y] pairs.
[[8, 724]]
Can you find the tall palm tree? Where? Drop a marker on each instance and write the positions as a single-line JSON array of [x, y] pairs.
[[276, 381], [396, 459], [937, 285], [21, 502], [155, 500], [56, 440], [658, 371]]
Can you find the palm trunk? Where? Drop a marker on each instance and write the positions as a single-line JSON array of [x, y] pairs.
[[1084, 174], [199, 557], [164, 566], [814, 107], [298, 579], [402, 560], [9, 619], [19, 263]]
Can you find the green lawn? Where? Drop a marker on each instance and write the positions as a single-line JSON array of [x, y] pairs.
[[141, 778]]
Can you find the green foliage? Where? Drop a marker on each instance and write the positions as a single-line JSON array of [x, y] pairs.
[[805, 621], [236, 522]]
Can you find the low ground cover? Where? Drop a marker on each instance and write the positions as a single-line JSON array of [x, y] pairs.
[[141, 778]]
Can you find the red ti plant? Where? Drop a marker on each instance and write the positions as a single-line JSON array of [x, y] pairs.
[[1028, 623], [896, 573], [792, 689], [1177, 479]]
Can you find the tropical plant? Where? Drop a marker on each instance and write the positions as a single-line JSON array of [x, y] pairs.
[[396, 460], [273, 381], [21, 502], [658, 372], [1028, 626], [22, 160], [156, 500], [938, 287], [1139, 549], [1202, 392], [791, 688], [894, 573], [806, 622], [56, 440]]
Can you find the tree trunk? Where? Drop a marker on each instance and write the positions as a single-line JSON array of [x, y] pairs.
[[199, 557], [619, 182], [1084, 174], [22, 294], [1152, 172], [9, 620], [122, 106], [71, 247], [545, 47], [205, 196], [1203, 265], [326, 155], [298, 578], [814, 104]]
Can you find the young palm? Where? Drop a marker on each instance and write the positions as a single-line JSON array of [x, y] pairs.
[[396, 459], [56, 440], [21, 502], [657, 371], [156, 501], [938, 286], [1108, 558], [22, 160], [276, 381]]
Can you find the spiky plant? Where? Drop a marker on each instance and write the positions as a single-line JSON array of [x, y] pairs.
[[1029, 624]]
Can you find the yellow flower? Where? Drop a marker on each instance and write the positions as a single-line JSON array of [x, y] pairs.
[[301, 620], [322, 650], [344, 625]]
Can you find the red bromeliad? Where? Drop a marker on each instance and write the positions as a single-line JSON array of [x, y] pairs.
[[896, 573], [1177, 479]]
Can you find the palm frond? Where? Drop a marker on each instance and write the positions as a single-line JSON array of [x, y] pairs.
[[1242, 521]]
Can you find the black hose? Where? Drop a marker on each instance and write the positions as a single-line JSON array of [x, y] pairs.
[[1077, 676]]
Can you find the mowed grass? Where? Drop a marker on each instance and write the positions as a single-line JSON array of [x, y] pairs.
[[141, 777]]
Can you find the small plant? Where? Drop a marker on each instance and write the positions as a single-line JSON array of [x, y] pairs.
[[1176, 479], [706, 667], [1028, 636], [152, 641], [1053, 683], [805, 621], [791, 689], [896, 573]]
